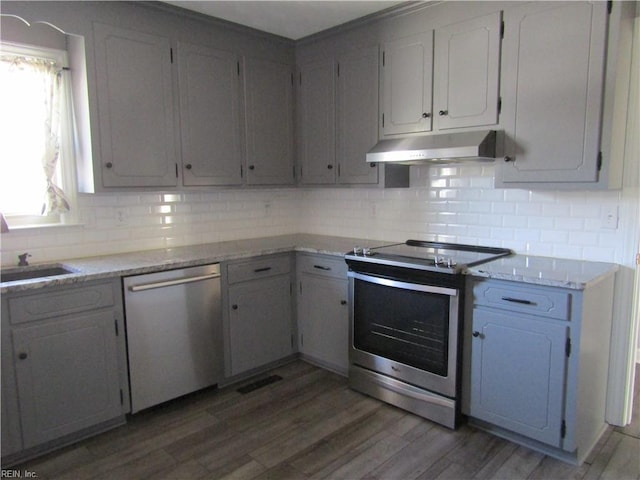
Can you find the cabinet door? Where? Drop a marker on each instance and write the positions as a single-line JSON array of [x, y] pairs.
[[318, 123], [518, 373], [357, 116], [135, 108], [466, 73], [67, 376], [553, 66], [407, 65], [259, 322], [210, 116], [269, 121], [324, 320]]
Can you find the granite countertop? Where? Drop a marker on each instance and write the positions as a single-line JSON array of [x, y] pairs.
[[553, 272], [574, 274], [149, 261]]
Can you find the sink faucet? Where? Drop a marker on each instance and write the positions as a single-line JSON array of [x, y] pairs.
[[23, 260]]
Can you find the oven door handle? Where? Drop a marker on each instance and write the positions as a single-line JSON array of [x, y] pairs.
[[387, 282]]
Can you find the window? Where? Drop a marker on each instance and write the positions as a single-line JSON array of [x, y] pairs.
[[36, 154]]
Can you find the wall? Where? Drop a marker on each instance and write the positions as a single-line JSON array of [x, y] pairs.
[[115, 223], [459, 204], [453, 203]]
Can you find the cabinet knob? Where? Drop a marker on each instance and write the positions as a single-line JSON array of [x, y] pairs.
[[372, 164], [426, 115], [188, 166], [508, 159], [22, 356], [252, 167], [234, 307], [108, 164], [330, 167], [343, 302], [477, 334], [442, 113]]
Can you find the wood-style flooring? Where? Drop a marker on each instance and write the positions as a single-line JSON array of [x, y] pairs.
[[311, 425]]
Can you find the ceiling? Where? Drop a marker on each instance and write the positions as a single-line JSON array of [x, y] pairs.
[[290, 19]]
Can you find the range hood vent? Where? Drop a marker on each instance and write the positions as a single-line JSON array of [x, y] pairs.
[[445, 148]]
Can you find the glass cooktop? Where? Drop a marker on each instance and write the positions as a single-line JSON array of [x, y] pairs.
[[449, 257]]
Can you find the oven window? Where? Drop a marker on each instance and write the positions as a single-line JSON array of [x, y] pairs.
[[402, 325]]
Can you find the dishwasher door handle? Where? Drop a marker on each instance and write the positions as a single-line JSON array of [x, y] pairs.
[[171, 283]]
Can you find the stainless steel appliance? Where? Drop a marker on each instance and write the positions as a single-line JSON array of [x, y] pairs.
[[406, 314], [476, 146], [174, 333]]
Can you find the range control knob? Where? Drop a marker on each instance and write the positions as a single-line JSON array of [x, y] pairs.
[[357, 250]]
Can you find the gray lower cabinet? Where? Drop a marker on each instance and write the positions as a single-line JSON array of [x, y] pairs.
[[537, 364], [323, 314], [259, 320], [64, 363], [525, 392]]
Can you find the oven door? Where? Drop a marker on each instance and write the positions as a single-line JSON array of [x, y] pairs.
[[405, 330]]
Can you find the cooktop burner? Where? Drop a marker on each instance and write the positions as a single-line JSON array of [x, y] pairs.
[[425, 255]]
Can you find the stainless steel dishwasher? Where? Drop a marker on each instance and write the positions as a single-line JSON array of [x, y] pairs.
[[174, 333]]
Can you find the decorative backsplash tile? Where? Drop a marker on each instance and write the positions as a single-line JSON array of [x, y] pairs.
[[447, 203]]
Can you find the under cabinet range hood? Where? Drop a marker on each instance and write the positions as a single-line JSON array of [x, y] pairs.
[[442, 148]]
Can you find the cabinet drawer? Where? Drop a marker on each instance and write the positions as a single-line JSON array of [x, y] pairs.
[[537, 301], [264, 267], [322, 265], [57, 302]]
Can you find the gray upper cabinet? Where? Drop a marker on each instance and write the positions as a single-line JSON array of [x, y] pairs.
[[269, 122], [357, 107], [554, 59], [317, 115], [210, 116], [407, 72], [338, 121], [190, 108], [448, 82], [135, 108], [466, 73]]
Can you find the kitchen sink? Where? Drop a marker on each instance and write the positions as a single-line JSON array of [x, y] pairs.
[[29, 273]]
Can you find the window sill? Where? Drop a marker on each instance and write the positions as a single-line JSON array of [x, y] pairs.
[[43, 226]]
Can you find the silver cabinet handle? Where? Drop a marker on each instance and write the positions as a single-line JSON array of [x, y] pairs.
[[170, 283]]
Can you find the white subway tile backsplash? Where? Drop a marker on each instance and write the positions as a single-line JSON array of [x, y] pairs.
[[446, 203], [554, 236]]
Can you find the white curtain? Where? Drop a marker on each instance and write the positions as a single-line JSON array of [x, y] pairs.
[[50, 77]]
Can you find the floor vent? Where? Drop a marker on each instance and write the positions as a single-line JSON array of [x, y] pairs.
[[259, 384]]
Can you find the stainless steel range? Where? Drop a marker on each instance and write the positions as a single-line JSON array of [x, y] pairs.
[[406, 314]]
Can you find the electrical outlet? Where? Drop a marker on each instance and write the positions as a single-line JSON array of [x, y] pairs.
[[610, 217], [121, 216]]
